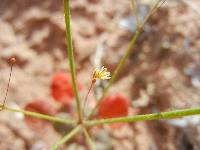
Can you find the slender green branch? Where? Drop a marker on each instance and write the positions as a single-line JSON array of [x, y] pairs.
[[38, 115], [89, 139], [66, 138], [117, 70], [126, 54], [152, 11], [135, 11], [130, 47], [154, 116], [71, 56]]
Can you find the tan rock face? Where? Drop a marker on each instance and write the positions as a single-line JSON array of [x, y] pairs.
[[33, 31]]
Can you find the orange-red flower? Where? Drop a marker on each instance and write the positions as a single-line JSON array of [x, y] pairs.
[[39, 106], [62, 88], [112, 107]]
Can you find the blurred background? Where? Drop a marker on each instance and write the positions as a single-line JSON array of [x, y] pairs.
[[162, 72]]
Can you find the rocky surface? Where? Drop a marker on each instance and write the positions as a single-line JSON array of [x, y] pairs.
[[162, 72]]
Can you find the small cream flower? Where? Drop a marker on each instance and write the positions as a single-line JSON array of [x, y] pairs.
[[102, 74]]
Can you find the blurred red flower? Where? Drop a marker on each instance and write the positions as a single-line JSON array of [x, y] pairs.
[[62, 88], [112, 107], [39, 106]]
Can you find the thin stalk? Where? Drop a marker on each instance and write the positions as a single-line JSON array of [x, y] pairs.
[[126, 54], [117, 70], [71, 57], [11, 69], [89, 140], [154, 116], [157, 5], [86, 97], [131, 46], [66, 138], [38, 115], [135, 11]]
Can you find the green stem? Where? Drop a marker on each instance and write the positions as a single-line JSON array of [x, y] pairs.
[[71, 56], [38, 115], [89, 139], [135, 11], [117, 70], [154, 116], [66, 138], [126, 54]]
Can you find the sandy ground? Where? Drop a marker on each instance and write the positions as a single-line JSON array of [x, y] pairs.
[[162, 72]]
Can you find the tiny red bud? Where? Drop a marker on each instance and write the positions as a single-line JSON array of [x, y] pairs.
[[12, 60]]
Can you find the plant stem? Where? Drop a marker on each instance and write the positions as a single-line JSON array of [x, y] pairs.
[[38, 115], [71, 57], [154, 116], [86, 98], [135, 11], [117, 70], [126, 54], [89, 139], [11, 69], [66, 138]]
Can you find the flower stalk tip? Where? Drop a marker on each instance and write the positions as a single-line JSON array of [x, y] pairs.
[[101, 74]]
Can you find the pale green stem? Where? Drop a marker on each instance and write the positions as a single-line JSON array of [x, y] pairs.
[[66, 138], [154, 116], [89, 140], [152, 11], [71, 56], [125, 56], [117, 70], [38, 115], [135, 10]]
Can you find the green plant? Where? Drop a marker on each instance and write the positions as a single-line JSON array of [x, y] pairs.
[[82, 124]]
